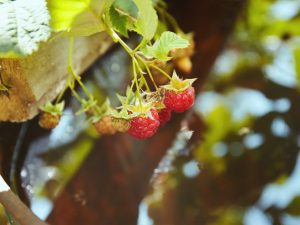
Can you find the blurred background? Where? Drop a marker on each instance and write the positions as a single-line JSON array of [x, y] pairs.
[[239, 166]]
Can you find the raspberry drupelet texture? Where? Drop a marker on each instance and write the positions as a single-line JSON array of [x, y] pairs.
[[144, 126], [180, 101], [164, 116]]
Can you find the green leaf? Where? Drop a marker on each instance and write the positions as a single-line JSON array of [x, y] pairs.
[[119, 22], [177, 84], [161, 27], [22, 27], [123, 14], [167, 42], [78, 17], [147, 19], [126, 8], [63, 13]]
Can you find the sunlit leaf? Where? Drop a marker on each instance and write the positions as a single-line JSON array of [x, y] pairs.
[[118, 21], [167, 42], [126, 8], [78, 17], [22, 27], [147, 19]]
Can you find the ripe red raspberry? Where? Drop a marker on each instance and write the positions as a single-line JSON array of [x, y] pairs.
[[180, 101], [143, 126], [164, 116]]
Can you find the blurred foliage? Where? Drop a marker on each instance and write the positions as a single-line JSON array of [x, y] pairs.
[[293, 207], [262, 19], [297, 61], [220, 126], [3, 219], [267, 24], [228, 216], [67, 161], [232, 182]]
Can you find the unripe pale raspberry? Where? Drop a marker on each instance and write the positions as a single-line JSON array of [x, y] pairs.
[[121, 125], [105, 125], [48, 120]]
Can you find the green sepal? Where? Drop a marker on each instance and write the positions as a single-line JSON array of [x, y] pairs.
[[123, 114], [141, 109], [178, 85], [54, 109], [104, 110], [87, 105], [129, 98], [160, 106]]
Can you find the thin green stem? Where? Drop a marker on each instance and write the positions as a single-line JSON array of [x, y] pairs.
[[140, 71], [78, 79], [137, 84], [70, 53], [70, 63], [117, 39], [127, 97], [160, 70], [142, 74], [133, 55], [72, 71], [148, 71], [142, 43], [58, 99], [77, 96], [146, 84]]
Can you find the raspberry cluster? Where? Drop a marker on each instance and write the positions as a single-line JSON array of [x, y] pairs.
[[142, 119], [142, 111], [140, 116]]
